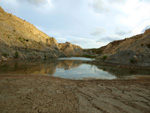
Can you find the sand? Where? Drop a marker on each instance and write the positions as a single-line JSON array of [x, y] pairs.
[[42, 94]]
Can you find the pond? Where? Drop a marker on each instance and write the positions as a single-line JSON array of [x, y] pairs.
[[70, 68]]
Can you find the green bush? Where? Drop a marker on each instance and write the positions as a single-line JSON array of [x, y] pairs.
[[99, 51], [132, 60], [148, 45], [16, 55], [5, 54], [45, 57], [104, 57]]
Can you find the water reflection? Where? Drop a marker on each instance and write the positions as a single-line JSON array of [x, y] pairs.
[[125, 72], [36, 67], [64, 68]]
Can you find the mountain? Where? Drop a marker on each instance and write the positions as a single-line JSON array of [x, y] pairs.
[[20, 39], [133, 50]]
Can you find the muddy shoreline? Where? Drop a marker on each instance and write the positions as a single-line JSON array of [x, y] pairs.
[[44, 94]]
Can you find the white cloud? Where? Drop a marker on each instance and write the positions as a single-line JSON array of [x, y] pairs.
[[107, 39], [43, 6], [117, 1], [130, 14], [99, 6], [98, 31], [122, 32], [106, 6], [136, 15], [36, 2]]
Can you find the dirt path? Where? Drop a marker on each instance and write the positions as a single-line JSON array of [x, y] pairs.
[[39, 94]]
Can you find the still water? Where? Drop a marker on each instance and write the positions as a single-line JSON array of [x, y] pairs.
[[70, 68]]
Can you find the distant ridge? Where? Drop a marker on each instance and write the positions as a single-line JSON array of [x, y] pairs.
[[135, 50]]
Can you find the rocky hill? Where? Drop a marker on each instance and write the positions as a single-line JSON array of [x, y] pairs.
[[20, 39], [134, 50], [70, 49]]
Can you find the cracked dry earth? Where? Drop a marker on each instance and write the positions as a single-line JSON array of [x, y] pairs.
[[39, 94]]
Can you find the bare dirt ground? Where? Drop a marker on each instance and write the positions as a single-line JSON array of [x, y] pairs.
[[41, 94]]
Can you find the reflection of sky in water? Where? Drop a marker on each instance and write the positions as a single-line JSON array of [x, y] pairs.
[[83, 71], [76, 58]]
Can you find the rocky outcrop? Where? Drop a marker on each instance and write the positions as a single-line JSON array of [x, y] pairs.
[[20, 39], [70, 49], [134, 50], [139, 43]]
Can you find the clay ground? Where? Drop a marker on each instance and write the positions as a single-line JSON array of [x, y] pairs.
[[41, 94]]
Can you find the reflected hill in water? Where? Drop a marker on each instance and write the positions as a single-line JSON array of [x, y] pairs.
[[37, 67], [68, 64]]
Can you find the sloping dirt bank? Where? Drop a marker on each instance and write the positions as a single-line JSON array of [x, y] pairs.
[[42, 94]]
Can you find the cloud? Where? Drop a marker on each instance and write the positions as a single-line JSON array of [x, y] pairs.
[[98, 6], [34, 2], [136, 15], [107, 39], [122, 32], [42, 6], [97, 32], [80, 41], [105, 6], [117, 1], [148, 1]]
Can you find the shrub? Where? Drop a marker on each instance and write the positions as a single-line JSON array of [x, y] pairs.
[[88, 56], [132, 60], [27, 40], [148, 45], [16, 55], [99, 51], [5, 54], [26, 48], [104, 57], [45, 57]]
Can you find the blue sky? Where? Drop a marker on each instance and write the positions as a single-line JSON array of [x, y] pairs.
[[87, 23]]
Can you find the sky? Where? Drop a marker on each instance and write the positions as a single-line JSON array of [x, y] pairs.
[[87, 23]]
